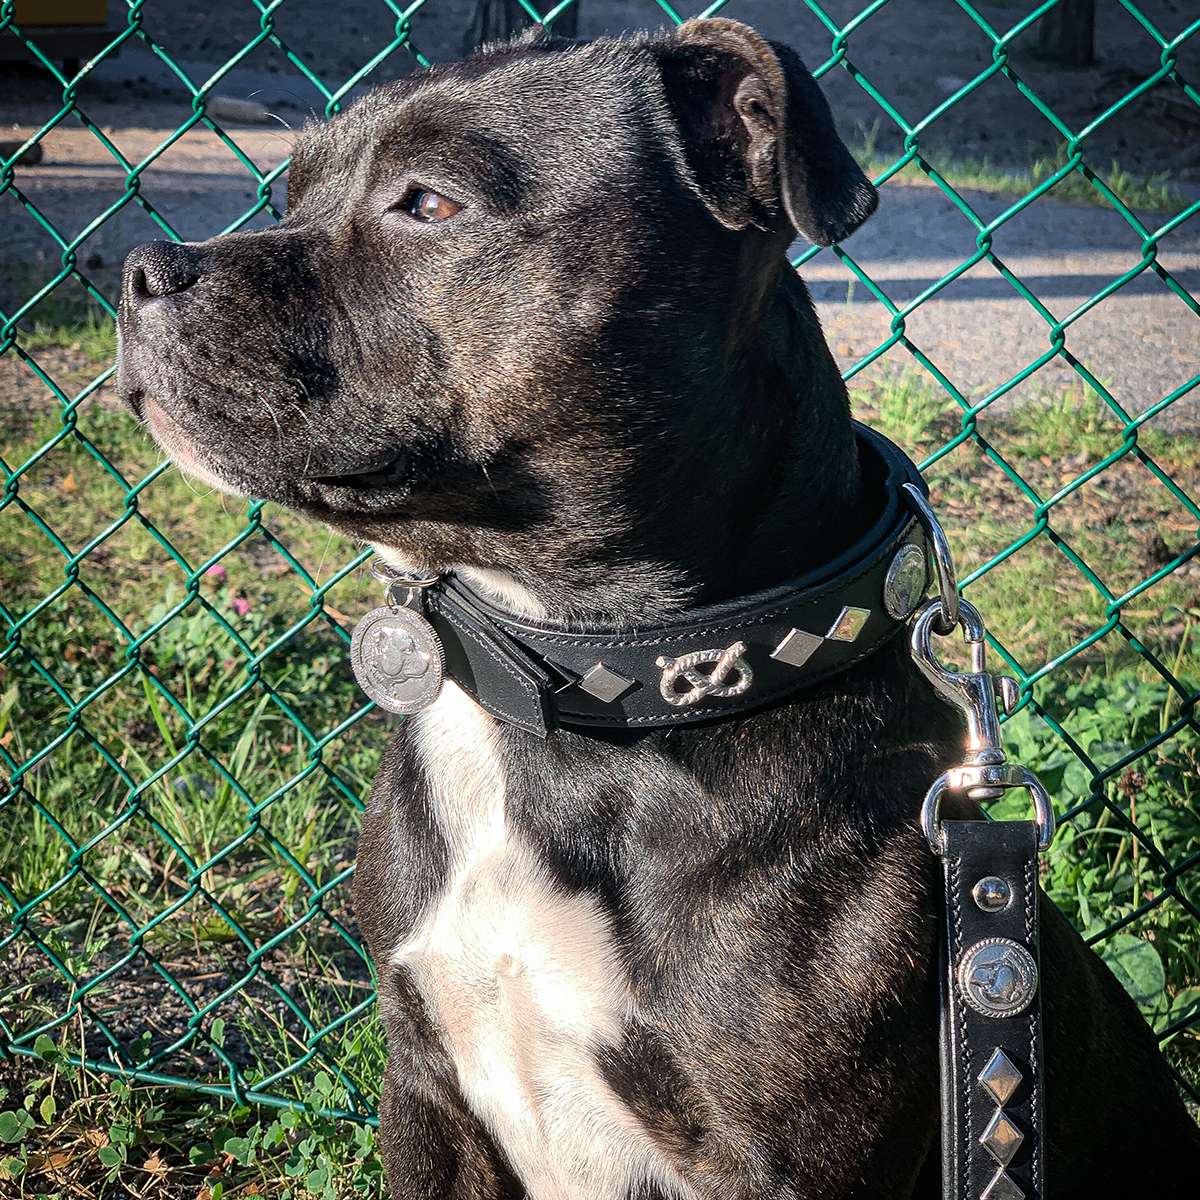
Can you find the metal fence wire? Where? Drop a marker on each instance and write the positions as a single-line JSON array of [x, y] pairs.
[[184, 750]]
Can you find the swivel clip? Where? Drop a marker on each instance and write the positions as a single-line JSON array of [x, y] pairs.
[[402, 590], [985, 773]]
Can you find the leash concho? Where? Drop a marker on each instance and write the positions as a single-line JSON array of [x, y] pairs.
[[991, 1029], [395, 653]]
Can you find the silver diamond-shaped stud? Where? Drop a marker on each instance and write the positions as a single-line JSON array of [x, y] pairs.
[[797, 648], [848, 625], [1001, 1139], [604, 683], [1000, 1078], [1001, 1187]]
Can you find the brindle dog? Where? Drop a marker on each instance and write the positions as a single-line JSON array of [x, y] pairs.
[[530, 319]]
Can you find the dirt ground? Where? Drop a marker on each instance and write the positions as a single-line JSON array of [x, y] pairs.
[[916, 52]]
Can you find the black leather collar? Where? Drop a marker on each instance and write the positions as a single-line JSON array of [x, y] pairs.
[[540, 676]]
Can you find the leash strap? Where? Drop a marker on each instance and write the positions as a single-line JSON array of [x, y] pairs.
[[991, 1026]]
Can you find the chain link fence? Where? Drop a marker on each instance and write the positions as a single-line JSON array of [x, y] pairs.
[[185, 754]]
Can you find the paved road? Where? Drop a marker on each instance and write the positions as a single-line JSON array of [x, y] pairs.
[[980, 332]]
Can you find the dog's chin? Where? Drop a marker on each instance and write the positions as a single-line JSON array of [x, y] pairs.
[[327, 496], [172, 439]]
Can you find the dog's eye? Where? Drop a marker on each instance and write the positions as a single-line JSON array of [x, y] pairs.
[[428, 206]]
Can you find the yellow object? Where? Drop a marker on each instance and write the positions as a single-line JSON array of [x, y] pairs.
[[61, 12]]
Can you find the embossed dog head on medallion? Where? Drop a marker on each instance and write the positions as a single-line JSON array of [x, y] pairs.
[[397, 655]]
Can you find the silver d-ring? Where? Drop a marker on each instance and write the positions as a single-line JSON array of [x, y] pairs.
[[1006, 776], [942, 558], [388, 574]]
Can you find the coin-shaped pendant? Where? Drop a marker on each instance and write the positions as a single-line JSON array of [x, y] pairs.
[[997, 977], [397, 659]]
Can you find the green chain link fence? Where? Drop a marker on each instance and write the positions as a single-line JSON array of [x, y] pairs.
[[186, 753]]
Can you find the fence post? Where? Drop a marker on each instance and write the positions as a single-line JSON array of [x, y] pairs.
[[498, 20], [1066, 34]]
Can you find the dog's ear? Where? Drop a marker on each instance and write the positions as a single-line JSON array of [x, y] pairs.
[[758, 135]]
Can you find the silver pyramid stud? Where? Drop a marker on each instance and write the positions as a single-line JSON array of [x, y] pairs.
[[604, 683], [1001, 1139], [797, 648], [1001, 1187], [1000, 1079], [848, 625]]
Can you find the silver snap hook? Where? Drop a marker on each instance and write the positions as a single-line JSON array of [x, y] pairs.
[[985, 773]]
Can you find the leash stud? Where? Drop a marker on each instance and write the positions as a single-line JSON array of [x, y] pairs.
[[992, 893], [997, 977], [1000, 1078], [1002, 1137]]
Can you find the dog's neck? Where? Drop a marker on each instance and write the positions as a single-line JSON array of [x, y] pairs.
[[765, 487], [801, 501]]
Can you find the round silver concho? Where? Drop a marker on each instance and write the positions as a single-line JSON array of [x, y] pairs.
[[905, 582], [997, 977], [397, 659]]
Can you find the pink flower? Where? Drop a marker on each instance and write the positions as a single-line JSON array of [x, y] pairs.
[[241, 606], [216, 573]]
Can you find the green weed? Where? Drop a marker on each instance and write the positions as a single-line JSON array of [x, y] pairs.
[[103, 1136], [909, 407], [1149, 193]]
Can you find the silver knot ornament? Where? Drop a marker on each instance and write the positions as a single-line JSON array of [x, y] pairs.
[[730, 675]]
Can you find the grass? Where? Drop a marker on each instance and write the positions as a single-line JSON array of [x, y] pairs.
[[230, 866], [95, 335], [68, 318], [1151, 192], [196, 903], [88, 1136], [1131, 792]]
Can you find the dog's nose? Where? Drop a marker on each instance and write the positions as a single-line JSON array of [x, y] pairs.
[[160, 269]]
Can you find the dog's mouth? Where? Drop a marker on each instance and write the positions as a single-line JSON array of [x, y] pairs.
[[391, 473], [135, 400], [388, 470], [419, 472]]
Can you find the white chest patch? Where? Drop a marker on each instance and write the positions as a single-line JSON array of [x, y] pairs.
[[523, 980]]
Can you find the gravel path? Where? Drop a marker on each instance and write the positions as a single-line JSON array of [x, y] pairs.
[[980, 332]]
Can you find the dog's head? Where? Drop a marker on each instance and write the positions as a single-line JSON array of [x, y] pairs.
[[523, 310]]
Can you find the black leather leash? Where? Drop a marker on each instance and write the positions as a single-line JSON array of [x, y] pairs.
[[728, 659], [991, 1018], [991, 1014]]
